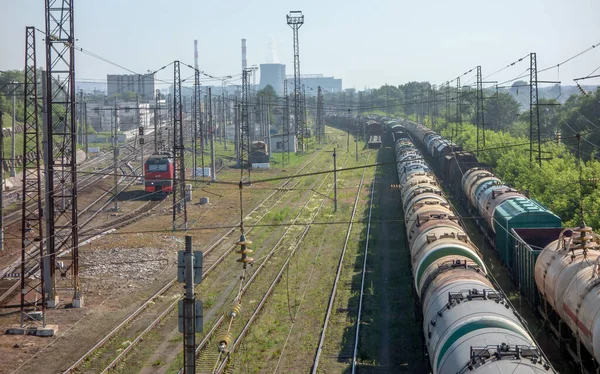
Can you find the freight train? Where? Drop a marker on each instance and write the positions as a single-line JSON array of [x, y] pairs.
[[556, 269], [469, 325], [158, 171]]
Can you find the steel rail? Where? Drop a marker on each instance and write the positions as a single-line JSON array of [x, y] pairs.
[[336, 280], [170, 308], [362, 282]]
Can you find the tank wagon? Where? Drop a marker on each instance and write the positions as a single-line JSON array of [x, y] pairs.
[[501, 207], [567, 275], [556, 269], [468, 324]]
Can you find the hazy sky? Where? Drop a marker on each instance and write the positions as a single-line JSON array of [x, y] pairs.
[[367, 43]]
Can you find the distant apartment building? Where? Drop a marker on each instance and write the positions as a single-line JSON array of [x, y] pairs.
[[141, 84]]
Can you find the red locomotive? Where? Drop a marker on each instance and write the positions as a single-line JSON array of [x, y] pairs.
[[158, 170]]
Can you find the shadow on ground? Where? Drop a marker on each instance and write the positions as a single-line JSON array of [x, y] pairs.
[[390, 332]]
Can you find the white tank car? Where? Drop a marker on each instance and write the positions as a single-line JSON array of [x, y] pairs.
[[468, 325], [567, 275]]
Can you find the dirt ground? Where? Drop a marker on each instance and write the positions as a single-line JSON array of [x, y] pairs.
[[118, 272]]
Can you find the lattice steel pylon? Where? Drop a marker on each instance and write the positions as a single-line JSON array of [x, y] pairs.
[[61, 132], [286, 121], [295, 20], [244, 128], [479, 109], [458, 109], [32, 231], [179, 198], [534, 113], [447, 98], [434, 113], [320, 128]]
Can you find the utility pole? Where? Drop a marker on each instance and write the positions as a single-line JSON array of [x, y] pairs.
[[170, 121], [422, 107], [458, 109], [2, 180], [320, 128], [141, 134], [14, 114], [286, 122], [348, 133], [534, 111], [189, 272], [429, 107], [304, 114], [189, 302], [179, 200], [479, 107], [334, 181], [236, 135], [447, 97], [223, 132], [85, 119], [157, 122], [295, 20], [244, 145], [434, 113], [211, 125], [356, 144], [269, 126], [60, 98], [80, 133], [115, 142]]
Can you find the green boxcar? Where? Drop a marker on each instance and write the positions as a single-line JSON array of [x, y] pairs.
[[515, 214], [527, 245]]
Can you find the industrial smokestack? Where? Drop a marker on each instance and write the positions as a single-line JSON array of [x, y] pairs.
[[196, 54], [244, 62]]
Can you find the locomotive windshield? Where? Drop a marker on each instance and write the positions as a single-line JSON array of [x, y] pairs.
[[158, 165]]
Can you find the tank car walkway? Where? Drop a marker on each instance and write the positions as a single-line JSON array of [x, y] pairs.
[[391, 336]]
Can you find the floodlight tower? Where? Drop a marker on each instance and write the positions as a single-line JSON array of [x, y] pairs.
[[295, 20]]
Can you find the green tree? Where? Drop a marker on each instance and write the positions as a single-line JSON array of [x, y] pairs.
[[500, 112], [548, 110]]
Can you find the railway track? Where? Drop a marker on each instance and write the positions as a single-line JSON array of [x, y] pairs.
[[152, 312], [291, 240], [82, 184], [362, 284], [337, 278], [10, 275]]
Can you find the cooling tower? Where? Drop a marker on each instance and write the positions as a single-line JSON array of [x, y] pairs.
[[273, 74]]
